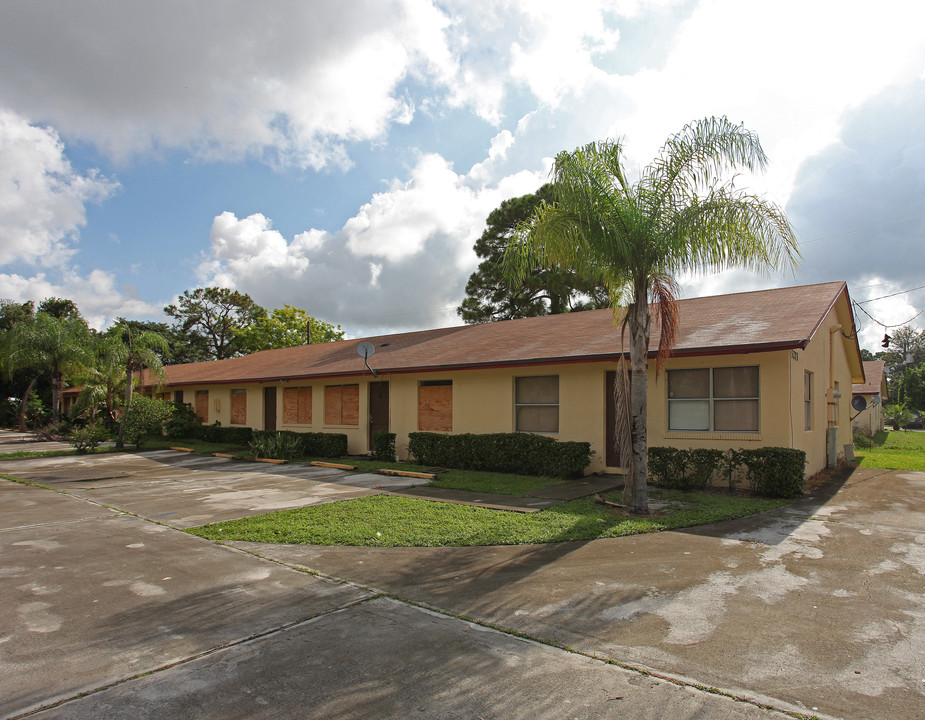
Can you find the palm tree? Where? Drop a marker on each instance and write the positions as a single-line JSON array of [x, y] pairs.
[[52, 345], [135, 349], [103, 381], [684, 213]]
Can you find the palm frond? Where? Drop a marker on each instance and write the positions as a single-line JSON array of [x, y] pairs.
[[664, 294]]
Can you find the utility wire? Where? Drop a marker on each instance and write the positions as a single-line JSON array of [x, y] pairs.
[[884, 325], [901, 292], [869, 227]]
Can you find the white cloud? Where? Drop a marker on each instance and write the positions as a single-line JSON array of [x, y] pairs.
[[402, 261], [96, 295], [42, 198], [289, 82]]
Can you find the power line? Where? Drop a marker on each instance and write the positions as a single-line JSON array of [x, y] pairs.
[[863, 229], [901, 292], [884, 325]]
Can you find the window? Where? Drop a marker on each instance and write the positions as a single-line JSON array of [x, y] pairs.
[[239, 407], [202, 405], [713, 399], [297, 405], [808, 400], [435, 406], [536, 404], [342, 405], [178, 396]]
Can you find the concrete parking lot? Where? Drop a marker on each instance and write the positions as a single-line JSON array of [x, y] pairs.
[[110, 611]]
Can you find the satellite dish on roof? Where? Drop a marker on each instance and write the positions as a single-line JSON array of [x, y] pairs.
[[365, 351], [859, 403]]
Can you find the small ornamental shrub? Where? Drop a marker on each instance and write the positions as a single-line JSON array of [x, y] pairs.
[[87, 438], [183, 421], [312, 444], [278, 446], [384, 445], [145, 416]]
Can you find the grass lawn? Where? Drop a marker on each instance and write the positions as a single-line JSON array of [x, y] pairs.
[[387, 521], [51, 453], [893, 450]]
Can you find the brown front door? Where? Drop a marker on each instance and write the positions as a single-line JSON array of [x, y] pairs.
[[378, 409], [269, 408], [611, 443]]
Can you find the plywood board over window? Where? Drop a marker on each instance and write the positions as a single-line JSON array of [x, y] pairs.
[[342, 405], [202, 405], [435, 406], [297, 406], [239, 407]]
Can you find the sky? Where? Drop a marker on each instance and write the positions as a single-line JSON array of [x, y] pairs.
[[342, 156]]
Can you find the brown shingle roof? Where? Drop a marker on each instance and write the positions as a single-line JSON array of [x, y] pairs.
[[873, 371], [740, 322]]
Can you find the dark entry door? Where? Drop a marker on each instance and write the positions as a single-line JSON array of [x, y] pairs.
[[269, 408], [611, 444], [378, 409]]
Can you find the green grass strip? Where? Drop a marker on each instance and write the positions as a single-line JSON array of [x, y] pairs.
[[892, 450], [388, 521]]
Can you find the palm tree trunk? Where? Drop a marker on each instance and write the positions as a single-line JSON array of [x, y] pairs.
[[56, 381], [23, 405], [639, 348], [120, 441]]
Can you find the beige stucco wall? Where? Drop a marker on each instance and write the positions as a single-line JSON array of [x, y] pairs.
[[871, 418], [483, 400]]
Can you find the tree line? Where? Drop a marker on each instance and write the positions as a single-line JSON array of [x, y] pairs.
[[47, 348]]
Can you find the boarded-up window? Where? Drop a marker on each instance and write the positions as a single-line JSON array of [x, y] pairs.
[[342, 405], [536, 404], [239, 407], [297, 406], [717, 400], [202, 405], [435, 406]]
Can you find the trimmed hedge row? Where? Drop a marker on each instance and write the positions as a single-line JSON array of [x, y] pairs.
[[770, 471], [501, 452], [217, 433], [332, 445]]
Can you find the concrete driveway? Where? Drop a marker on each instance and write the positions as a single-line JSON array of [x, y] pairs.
[[816, 609]]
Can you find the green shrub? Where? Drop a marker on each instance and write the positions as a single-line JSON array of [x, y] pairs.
[[145, 416], [666, 466], [773, 471], [316, 444], [276, 445], [88, 437], [521, 453], [183, 421], [384, 445], [219, 434]]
